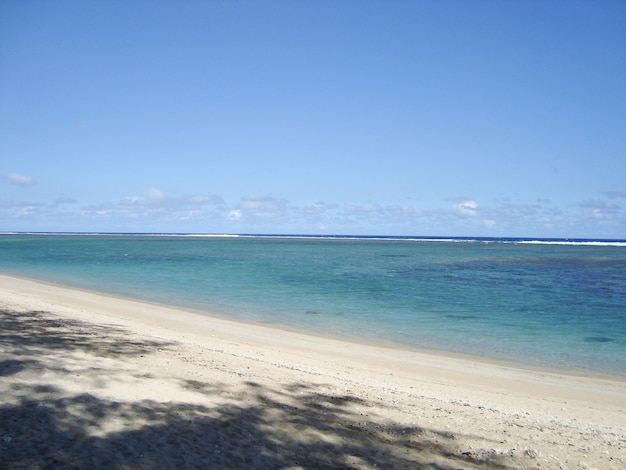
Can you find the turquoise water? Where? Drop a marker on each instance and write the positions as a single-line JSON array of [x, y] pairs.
[[550, 304]]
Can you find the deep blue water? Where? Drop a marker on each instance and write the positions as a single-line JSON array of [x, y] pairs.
[[552, 303]]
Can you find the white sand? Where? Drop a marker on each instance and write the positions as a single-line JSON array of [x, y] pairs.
[[88, 380]]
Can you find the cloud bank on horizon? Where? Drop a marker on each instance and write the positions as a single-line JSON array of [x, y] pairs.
[[155, 211], [384, 118]]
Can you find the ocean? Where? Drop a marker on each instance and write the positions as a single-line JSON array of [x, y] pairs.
[[557, 304]]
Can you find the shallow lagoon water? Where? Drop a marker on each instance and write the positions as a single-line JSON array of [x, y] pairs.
[[546, 303]]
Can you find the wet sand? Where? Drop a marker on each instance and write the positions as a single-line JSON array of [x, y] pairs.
[[93, 381]]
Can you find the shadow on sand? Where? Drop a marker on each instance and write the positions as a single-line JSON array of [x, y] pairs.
[[44, 427]]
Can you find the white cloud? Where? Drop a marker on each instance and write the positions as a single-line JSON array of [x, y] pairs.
[[155, 194], [515, 218], [466, 208], [20, 210], [597, 209], [262, 207], [369, 211], [17, 179], [26, 212], [234, 215], [317, 209], [200, 200], [155, 207], [152, 196]]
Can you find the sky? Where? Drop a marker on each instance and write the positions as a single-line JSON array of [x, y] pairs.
[[434, 118]]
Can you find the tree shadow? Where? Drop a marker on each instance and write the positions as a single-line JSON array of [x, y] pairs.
[[36, 331], [294, 426], [65, 434]]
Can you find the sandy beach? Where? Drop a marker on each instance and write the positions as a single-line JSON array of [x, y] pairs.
[[92, 381]]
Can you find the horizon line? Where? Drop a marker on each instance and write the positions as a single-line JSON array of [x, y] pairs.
[[327, 236]]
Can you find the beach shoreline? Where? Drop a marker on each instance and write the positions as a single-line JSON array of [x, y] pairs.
[[282, 329], [292, 400]]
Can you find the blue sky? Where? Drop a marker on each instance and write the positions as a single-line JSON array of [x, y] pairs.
[[492, 118]]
